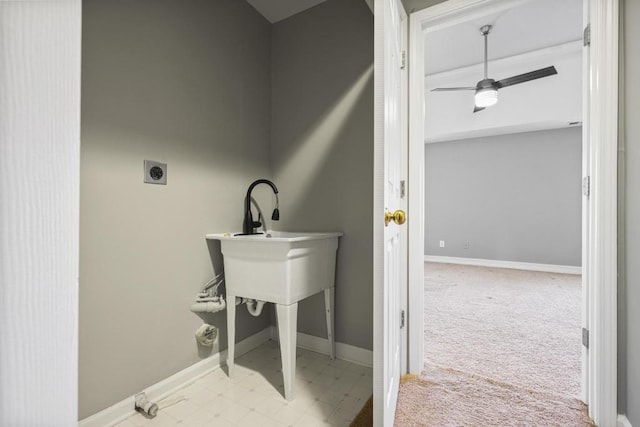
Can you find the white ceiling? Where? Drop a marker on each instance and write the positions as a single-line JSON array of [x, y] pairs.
[[530, 25], [277, 10]]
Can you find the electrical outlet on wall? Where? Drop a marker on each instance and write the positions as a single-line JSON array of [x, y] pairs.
[[442, 243], [155, 172], [465, 245]]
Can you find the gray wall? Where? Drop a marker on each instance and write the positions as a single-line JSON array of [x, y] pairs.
[[322, 150], [512, 197], [187, 83], [415, 5], [629, 337]]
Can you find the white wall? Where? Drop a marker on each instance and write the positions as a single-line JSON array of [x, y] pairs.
[[546, 103], [39, 180]]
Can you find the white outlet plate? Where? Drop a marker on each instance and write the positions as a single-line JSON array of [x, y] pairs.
[[155, 172], [442, 243]]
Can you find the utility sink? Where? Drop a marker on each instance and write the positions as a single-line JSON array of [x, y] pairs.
[[282, 268], [279, 267]]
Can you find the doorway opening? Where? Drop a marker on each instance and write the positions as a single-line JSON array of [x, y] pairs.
[[458, 13], [503, 199], [502, 294]]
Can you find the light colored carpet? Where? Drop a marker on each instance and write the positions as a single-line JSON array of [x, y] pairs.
[[513, 326], [445, 397], [502, 348]]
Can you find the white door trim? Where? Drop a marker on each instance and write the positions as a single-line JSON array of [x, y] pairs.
[[603, 125], [603, 257], [39, 211], [415, 273]]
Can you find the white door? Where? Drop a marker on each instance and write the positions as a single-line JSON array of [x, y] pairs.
[[390, 160]]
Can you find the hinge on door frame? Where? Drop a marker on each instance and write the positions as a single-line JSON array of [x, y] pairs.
[[402, 319], [403, 59], [586, 36], [403, 188], [586, 186], [585, 337]]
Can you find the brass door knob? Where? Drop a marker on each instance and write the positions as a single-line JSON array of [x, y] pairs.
[[399, 217]]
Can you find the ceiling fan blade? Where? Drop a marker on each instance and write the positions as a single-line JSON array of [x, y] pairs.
[[521, 78], [476, 108], [444, 89]]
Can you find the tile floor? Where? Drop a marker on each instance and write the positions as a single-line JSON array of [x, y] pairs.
[[328, 393]]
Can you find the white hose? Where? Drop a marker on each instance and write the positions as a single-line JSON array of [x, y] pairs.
[[255, 307], [215, 304], [208, 307]]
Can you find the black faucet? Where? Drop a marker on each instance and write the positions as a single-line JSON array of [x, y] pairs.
[[249, 226]]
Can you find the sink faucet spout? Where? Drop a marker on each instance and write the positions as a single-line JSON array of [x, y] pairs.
[[249, 226]]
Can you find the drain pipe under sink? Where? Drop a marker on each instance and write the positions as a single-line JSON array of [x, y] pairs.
[[255, 307]]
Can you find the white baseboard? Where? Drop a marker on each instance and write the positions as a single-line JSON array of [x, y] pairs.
[[514, 265], [125, 408], [623, 421], [345, 352]]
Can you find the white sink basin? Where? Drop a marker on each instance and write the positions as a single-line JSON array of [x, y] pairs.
[[279, 267], [282, 268]]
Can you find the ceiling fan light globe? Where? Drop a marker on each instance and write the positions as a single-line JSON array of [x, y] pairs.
[[486, 97]]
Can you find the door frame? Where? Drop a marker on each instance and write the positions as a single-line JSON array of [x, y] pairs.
[[601, 117], [39, 218]]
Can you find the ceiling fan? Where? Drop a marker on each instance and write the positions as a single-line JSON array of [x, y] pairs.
[[486, 90]]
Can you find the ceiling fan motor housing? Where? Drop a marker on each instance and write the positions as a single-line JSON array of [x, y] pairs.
[[486, 84]]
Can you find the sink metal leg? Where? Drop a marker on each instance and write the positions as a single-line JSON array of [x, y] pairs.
[[231, 333], [287, 328], [329, 304]]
